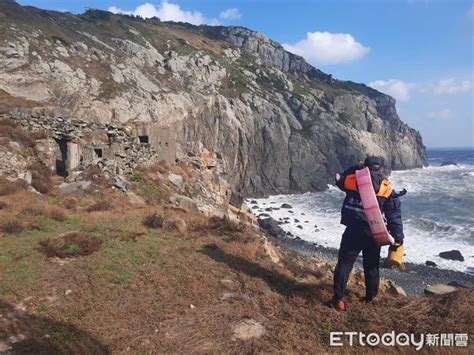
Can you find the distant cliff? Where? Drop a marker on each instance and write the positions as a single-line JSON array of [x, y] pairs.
[[278, 124]]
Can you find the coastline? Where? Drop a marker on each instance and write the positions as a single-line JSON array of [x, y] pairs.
[[414, 279]]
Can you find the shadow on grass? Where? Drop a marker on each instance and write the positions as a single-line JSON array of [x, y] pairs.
[[276, 281], [23, 333]]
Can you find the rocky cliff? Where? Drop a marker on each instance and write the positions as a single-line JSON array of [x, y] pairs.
[[278, 124]]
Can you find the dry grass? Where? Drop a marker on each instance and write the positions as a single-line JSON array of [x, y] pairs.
[[12, 227], [33, 211], [17, 134], [133, 292], [70, 204], [8, 187], [41, 178], [102, 205], [70, 245], [223, 227], [55, 213], [153, 220], [8, 103]]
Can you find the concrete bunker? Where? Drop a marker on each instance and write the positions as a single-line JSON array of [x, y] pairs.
[[68, 157], [161, 137]]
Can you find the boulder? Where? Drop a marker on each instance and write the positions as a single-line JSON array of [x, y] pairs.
[[430, 263], [177, 180], [271, 227], [271, 251], [452, 255], [286, 205], [395, 290], [119, 183], [248, 329], [14, 146], [176, 223], [185, 203], [448, 162], [78, 187], [439, 289]]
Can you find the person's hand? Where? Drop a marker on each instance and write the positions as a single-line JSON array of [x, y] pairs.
[[395, 246]]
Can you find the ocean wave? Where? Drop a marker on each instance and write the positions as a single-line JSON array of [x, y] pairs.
[[432, 226], [315, 217]]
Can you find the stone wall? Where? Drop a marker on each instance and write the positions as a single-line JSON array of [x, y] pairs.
[[74, 145]]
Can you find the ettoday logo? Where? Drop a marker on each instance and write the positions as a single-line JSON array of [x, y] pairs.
[[397, 339]]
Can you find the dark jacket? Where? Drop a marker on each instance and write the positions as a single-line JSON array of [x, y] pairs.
[[352, 212]]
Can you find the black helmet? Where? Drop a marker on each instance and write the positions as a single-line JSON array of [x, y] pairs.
[[374, 163]]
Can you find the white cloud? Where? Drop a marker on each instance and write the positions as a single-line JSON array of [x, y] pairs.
[[400, 90], [167, 11], [328, 48], [444, 114], [230, 14], [451, 86]]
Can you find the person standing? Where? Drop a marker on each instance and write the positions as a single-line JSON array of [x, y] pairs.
[[357, 236]]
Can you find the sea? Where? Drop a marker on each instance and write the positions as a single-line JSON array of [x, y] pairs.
[[437, 211]]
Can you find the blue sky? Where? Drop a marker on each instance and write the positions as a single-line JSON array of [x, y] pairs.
[[419, 51]]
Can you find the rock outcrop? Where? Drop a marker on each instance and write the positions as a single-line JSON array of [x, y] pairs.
[[278, 124]]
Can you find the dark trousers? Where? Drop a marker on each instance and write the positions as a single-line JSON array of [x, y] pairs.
[[353, 241]]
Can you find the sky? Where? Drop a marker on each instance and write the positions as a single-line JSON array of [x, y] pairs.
[[418, 51]]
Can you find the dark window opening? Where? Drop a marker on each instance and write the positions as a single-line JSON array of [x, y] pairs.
[[143, 139], [98, 152]]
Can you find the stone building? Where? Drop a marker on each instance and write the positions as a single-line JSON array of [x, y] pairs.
[[73, 145]]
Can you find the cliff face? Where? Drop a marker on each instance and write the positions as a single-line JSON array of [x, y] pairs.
[[278, 124]]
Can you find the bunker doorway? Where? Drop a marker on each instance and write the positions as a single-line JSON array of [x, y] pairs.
[[61, 158]]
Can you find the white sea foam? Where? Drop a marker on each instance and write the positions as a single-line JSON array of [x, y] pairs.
[[437, 213]]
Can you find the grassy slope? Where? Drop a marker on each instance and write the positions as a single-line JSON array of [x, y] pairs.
[[136, 292]]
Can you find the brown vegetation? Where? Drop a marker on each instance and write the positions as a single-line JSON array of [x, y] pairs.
[[153, 220], [223, 227], [57, 214], [70, 245], [8, 187], [54, 213], [70, 204], [12, 227], [133, 289], [10, 130], [41, 178], [102, 205]]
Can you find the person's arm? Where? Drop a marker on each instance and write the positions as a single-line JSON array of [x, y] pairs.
[[393, 214], [341, 178]]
